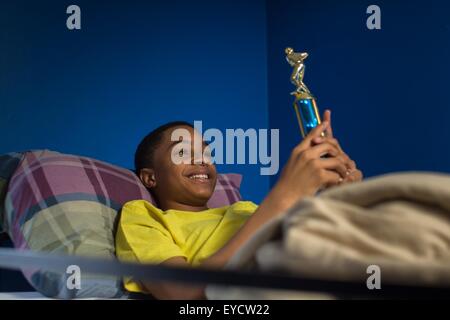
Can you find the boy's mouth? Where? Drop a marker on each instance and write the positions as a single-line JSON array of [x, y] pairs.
[[199, 177]]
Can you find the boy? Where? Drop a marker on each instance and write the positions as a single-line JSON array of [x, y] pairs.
[[183, 231]]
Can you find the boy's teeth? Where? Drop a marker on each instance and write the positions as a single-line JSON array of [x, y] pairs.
[[199, 176]]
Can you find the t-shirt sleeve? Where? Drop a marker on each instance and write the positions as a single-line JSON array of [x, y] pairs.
[[141, 238]]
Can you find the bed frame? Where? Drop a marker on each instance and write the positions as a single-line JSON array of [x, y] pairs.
[[14, 259]]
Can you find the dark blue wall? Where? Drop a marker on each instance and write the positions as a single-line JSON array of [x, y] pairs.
[[388, 89], [133, 65]]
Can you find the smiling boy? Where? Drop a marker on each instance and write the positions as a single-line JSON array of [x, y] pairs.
[[181, 230]]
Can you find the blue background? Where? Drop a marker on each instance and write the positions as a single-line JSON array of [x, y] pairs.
[[138, 64], [388, 89], [134, 65]]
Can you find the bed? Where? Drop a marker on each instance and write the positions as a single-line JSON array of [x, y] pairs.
[[322, 248]]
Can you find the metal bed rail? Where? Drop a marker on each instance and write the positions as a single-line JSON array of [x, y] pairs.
[[23, 259]]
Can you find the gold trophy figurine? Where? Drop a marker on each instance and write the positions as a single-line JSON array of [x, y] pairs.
[[304, 104]]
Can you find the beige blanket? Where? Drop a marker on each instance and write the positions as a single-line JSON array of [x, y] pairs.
[[399, 223]]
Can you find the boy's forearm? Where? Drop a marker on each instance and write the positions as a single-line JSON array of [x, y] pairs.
[[170, 291], [273, 205], [276, 203]]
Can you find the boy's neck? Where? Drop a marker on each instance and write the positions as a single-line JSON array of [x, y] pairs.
[[172, 205]]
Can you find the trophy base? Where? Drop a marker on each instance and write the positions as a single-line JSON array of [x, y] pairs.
[[307, 114]]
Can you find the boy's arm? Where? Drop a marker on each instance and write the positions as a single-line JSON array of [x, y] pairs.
[[269, 208], [175, 291], [303, 175]]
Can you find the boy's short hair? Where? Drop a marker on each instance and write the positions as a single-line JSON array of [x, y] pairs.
[[143, 157]]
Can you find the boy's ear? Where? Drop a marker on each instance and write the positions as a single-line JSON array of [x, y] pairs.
[[147, 177]]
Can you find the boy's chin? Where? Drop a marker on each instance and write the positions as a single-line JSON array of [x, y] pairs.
[[201, 197]]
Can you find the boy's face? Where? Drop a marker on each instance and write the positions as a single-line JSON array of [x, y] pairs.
[[177, 177]]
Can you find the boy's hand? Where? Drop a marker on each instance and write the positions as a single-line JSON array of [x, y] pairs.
[[354, 174], [306, 172]]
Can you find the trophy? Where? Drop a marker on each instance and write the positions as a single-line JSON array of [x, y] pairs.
[[304, 104]]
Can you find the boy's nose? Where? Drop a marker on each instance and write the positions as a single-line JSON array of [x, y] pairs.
[[198, 159]]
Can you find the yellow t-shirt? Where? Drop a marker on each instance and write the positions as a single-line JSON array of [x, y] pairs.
[[149, 235]]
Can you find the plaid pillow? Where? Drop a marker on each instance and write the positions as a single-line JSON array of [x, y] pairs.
[[226, 191], [68, 204]]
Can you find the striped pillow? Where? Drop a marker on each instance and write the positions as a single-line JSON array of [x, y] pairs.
[[68, 204]]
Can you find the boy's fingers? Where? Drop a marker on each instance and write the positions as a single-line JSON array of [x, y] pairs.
[[307, 141], [333, 141], [331, 178], [324, 148], [327, 117], [317, 131], [354, 176]]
